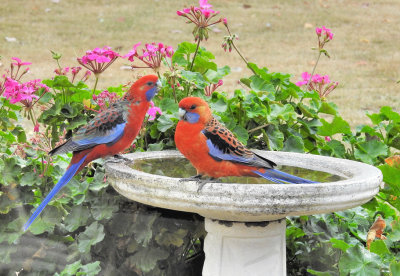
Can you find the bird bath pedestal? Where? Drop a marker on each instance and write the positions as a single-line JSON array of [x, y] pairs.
[[245, 223]]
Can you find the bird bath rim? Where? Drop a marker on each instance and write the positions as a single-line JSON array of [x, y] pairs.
[[250, 202]]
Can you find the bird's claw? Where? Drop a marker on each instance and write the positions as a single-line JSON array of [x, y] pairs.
[[201, 182], [118, 159]]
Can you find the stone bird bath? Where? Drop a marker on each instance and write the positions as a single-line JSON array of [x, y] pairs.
[[245, 223]]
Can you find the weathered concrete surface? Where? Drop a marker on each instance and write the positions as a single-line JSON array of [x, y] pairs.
[[251, 202]]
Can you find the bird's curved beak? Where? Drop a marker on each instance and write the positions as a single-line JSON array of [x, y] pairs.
[[159, 85], [182, 114]]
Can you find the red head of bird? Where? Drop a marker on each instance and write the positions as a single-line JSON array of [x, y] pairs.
[[143, 89], [194, 110]]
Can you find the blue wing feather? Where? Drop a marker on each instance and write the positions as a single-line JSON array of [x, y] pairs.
[[61, 183], [112, 136]]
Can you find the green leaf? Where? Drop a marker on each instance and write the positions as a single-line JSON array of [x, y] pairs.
[[241, 133], [194, 78], [275, 137], [46, 98], [146, 259], [379, 247], [338, 125], [164, 123], [156, 146], [61, 81], [167, 238], [336, 148], [71, 269], [368, 151], [143, 227], [391, 175], [328, 108], [219, 106], [92, 235], [78, 216], [391, 115], [358, 261], [214, 76], [39, 226], [340, 244], [90, 269], [104, 207], [319, 273], [294, 144], [285, 112], [258, 84], [29, 179], [395, 268], [202, 64], [168, 105]]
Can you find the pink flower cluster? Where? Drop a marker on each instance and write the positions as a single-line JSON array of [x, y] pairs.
[[211, 88], [153, 110], [325, 32], [322, 84], [74, 71], [98, 59], [152, 54], [105, 97], [200, 16], [324, 35], [22, 92], [204, 9]]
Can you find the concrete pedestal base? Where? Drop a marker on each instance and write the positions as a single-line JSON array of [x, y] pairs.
[[244, 249]]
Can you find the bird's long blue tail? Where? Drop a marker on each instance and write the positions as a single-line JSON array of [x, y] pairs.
[[282, 177], [61, 183]]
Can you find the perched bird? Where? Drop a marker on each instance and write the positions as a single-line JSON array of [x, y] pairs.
[[215, 152], [109, 133]]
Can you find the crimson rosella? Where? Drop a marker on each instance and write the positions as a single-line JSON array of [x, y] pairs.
[[215, 152], [109, 133]]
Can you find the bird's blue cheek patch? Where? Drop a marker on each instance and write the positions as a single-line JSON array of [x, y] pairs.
[[192, 117], [150, 93]]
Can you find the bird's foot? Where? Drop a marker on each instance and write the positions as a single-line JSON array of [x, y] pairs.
[[196, 178], [200, 181], [118, 159]]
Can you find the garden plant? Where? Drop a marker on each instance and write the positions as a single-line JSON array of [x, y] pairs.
[[89, 229]]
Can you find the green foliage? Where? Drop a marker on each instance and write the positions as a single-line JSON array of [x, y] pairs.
[[88, 229]]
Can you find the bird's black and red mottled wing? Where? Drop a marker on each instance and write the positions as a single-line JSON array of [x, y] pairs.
[[223, 145]]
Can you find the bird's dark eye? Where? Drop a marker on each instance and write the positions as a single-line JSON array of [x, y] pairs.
[[150, 83], [193, 107]]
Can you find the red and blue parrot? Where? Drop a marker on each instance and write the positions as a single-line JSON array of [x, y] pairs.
[[109, 133], [215, 152]]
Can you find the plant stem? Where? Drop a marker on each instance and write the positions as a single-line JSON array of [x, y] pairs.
[[244, 59], [173, 90], [95, 84], [313, 71], [195, 54]]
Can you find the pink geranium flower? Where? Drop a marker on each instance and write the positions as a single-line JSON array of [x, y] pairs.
[[103, 98], [153, 110], [152, 55], [212, 87], [19, 63], [324, 35], [201, 17], [23, 92], [322, 84], [98, 59]]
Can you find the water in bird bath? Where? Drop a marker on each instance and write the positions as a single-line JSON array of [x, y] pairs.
[[179, 167]]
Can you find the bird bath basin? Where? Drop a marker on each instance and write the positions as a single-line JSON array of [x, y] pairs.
[[245, 221]]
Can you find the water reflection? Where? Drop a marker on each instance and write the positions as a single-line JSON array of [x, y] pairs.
[[179, 167]]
